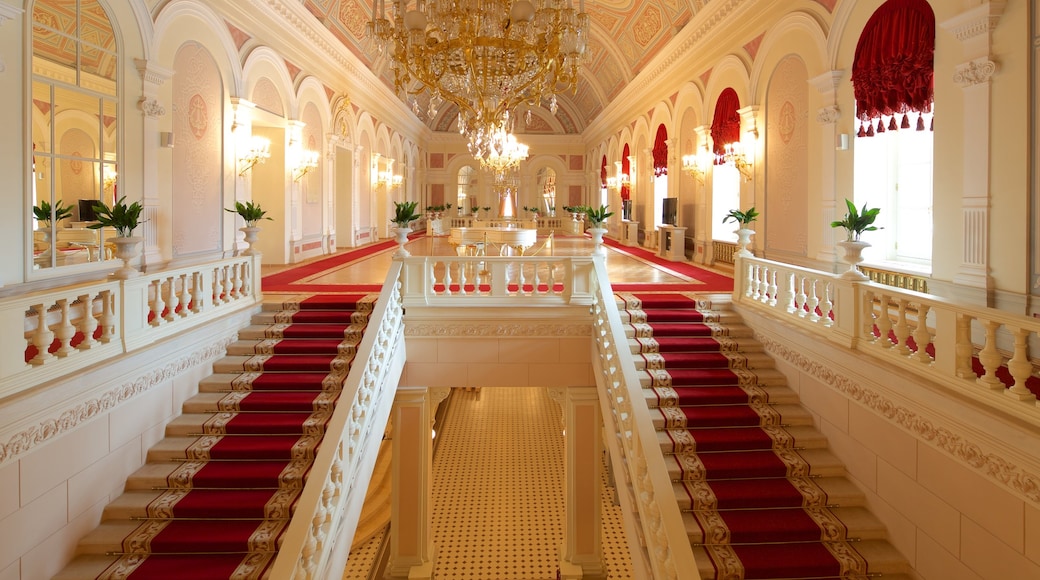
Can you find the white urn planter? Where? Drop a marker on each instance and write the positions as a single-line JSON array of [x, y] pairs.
[[743, 239], [401, 237], [251, 237], [853, 256], [597, 232], [126, 250]]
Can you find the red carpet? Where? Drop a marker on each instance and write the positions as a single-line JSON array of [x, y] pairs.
[[230, 496], [706, 280], [753, 509]]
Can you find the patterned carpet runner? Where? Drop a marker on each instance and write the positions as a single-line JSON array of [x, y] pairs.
[[752, 505], [221, 509]]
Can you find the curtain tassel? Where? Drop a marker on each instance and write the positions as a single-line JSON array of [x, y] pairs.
[[906, 122], [880, 126], [892, 126], [920, 122], [862, 132], [870, 130]]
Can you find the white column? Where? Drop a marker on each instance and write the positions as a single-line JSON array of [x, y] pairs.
[[581, 555], [702, 206], [411, 539], [827, 118], [152, 78], [974, 28]]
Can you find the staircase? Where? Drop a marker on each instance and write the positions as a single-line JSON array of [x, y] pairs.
[[761, 495], [217, 493]]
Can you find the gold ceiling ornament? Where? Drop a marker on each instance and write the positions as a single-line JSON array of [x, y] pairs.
[[486, 56]]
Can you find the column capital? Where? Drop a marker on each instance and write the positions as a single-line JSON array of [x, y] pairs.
[[975, 72]]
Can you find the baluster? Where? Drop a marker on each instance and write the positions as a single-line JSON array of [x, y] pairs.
[[65, 330], [902, 329], [87, 324], [225, 275], [787, 292], [813, 302], [753, 282], [921, 335], [799, 298], [884, 323], [157, 305], [462, 276], [1020, 367], [108, 316], [185, 297], [478, 277], [447, 277], [772, 287], [552, 279], [172, 299], [197, 292], [42, 337], [247, 280], [964, 347], [990, 358], [827, 308], [537, 279], [215, 296]]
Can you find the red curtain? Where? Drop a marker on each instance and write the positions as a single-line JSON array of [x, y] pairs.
[[625, 193], [725, 126], [661, 151], [603, 173], [893, 68]]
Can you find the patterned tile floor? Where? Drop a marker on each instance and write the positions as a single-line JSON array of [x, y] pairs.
[[498, 492]]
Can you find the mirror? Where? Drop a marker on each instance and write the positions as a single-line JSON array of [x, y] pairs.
[[466, 198], [75, 131], [547, 187]]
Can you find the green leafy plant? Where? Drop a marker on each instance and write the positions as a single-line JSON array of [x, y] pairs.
[[404, 213], [741, 217], [486, 208], [123, 218], [596, 216], [250, 212], [856, 221], [42, 212]]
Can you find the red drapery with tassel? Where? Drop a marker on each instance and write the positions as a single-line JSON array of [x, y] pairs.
[[661, 151], [603, 173], [625, 193], [893, 68], [725, 126]]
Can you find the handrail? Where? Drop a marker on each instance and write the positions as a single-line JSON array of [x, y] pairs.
[[889, 323], [334, 493], [664, 543], [124, 316]]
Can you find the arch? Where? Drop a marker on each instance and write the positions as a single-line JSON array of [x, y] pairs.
[[174, 26], [264, 63]]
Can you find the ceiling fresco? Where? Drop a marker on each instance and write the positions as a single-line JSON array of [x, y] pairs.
[[625, 35]]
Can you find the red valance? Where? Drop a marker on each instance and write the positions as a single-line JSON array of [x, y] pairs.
[[893, 68], [725, 126], [625, 153], [603, 173], [661, 151]]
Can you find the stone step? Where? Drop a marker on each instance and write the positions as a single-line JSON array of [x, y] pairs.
[[762, 378], [859, 523], [754, 360], [746, 346], [718, 330], [255, 363], [107, 538], [805, 436], [776, 394], [884, 562], [821, 463], [792, 415], [840, 492]]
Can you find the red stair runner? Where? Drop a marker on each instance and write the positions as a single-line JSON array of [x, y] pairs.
[[230, 499], [759, 514]]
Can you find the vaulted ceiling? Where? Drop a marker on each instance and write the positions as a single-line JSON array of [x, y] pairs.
[[625, 35]]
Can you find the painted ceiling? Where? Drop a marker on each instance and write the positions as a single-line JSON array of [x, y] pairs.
[[625, 35]]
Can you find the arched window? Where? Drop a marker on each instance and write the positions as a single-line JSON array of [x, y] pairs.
[[603, 199], [660, 153], [75, 129], [892, 81], [725, 181]]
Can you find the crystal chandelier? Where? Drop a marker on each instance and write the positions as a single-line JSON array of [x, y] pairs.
[[503, 153], [486, 56]]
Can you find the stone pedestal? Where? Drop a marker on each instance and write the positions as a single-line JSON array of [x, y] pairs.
[[629, 233], [672, 243]]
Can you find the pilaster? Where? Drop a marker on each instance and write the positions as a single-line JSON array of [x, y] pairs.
[[702, 211], [974, 29], [581, 554], [153, 77], [827, 117]]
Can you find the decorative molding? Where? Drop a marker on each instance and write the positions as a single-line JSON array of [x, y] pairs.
[[8, 12], [978, 21], [70, 418], [828, 115], [152, 73], [954, 443], [151, 107], [499, 330], [974, 72]]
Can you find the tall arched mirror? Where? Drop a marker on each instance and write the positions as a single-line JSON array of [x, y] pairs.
[[547, 189], [75, 130], [467, 190]]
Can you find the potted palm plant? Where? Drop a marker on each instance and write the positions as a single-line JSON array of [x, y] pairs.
[[404, 215], [251, 213], [855, 222], [124, 219], [45, 214], [597, 219], [743, 219]]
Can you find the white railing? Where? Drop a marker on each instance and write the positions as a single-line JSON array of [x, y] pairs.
[[663, 541], [88, 323], [498, 281], [926, 335], [332, 498]]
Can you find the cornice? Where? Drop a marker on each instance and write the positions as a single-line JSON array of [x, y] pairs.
[[64, 419], [977, 21], [954, 442], [8, 12]]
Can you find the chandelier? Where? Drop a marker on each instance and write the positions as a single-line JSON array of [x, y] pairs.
[[486, 56], [503, 153]]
